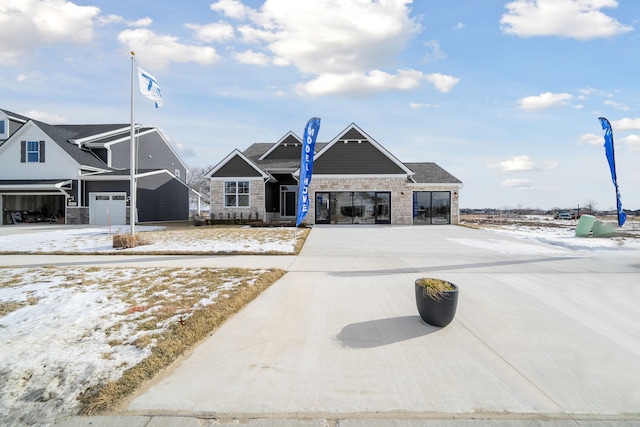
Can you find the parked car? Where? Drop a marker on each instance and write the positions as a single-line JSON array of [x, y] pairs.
[[563, 215]]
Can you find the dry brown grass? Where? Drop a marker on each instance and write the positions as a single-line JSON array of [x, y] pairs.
[[10, 306], [126, 241], [434, 288], [181, 335]]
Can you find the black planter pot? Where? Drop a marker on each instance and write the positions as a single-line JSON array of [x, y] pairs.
[[437, 312]]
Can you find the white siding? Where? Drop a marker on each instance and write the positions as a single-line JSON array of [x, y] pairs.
[[57, 165]]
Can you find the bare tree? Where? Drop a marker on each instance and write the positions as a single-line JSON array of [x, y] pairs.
[[197, 181], [591, 205]]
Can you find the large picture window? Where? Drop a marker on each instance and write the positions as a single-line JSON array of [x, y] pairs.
[[432, 207], [353, 207], [236, 194]]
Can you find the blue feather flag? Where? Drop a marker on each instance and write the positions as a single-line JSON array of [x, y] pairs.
[[611, 158], [306, 166]]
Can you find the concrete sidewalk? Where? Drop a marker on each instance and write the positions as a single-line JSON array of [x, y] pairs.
[[543, 336]]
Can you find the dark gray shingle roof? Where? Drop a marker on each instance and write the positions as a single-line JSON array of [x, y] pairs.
[[431, 173], [61, 135]]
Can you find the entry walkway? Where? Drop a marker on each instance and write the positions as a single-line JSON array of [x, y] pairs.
[[543, 336]]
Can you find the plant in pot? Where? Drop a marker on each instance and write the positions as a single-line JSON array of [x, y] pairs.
[[437, 300]]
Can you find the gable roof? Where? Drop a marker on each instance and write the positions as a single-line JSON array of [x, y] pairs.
[[78, 140], [62, 136], [284, 148], [356, 153], [352, 152], [237, 165], [431, 173], [259, 152]]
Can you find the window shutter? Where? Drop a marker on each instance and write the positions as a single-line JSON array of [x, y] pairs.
[[23, 151], [41, 151]]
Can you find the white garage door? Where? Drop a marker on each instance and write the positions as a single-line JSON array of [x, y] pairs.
[[107, 208]]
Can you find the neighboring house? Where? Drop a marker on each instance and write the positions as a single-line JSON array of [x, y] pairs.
[[79, 174], [355, 181]]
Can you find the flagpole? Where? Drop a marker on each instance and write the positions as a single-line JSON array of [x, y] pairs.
[[132, 173]]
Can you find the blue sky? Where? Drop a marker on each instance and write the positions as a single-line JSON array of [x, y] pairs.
[[505, 95]]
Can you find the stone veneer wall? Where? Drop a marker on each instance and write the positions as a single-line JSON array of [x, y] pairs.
[[401, 194], [256, 202], [77, 215]]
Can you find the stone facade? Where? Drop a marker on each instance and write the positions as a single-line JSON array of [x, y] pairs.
[[401, 194], [77, 215], [255, 210]]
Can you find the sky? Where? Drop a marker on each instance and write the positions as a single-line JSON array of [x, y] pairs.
[[505, 95]]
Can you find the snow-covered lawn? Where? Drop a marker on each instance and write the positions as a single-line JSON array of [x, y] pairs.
[[186, 240], [560, 233], [66, 330]]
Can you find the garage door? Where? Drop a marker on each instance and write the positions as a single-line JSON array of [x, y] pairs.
[[107, 208]]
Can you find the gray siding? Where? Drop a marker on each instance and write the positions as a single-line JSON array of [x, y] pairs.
[[352, 134], [162, 198], [162, 157], [290, 152], [354, 158], [236, 168]]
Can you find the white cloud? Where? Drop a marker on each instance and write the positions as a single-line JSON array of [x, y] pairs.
[[116, 19], [544, 101], [579, 19], [219, 31], [520, 184], [616, 105], [361, 84], [45, 117], [156, 51], [347, 46], [436, 52], [142, 22], [591, 139], [42, 22], [458, 26], [625, 124], [550, 164], [633, 142], [251, 57], [416, 105], [442, 82], [231, 8], [515, 164]]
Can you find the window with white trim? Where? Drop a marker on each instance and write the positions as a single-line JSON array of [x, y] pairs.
[[236, 194], [33, 151]]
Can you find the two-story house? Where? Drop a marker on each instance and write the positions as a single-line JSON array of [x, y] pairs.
[[80, 174], [355, 181]]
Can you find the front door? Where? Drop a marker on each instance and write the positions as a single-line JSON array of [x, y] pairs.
[[322, 208], [288, 199]]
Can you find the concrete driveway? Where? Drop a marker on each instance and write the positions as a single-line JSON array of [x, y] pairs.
[[543, 336]]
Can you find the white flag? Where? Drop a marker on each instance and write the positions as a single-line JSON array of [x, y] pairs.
[[149, 87]]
